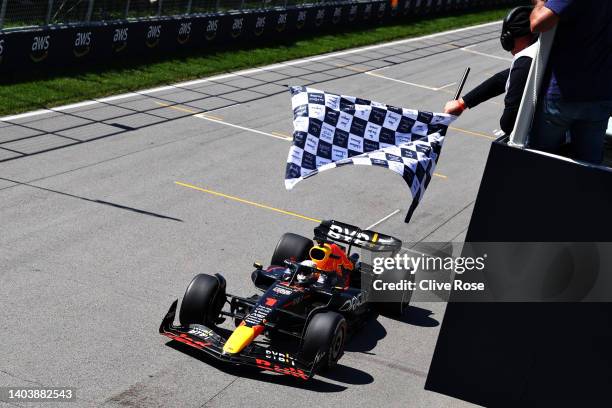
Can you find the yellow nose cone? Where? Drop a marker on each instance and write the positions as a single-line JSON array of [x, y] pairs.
[[240, 338]]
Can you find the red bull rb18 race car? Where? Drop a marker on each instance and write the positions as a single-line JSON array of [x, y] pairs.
[[313, 294]]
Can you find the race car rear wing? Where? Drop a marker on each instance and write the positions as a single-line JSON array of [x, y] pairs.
[[330, 230]]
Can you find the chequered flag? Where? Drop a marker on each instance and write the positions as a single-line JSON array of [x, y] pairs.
[[336, 130]]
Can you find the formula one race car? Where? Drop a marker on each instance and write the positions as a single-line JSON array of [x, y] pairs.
[[317, 307]]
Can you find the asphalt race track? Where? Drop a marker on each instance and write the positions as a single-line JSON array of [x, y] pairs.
[[98, 237]]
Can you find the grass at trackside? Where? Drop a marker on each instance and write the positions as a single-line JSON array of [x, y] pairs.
[[67, 87]]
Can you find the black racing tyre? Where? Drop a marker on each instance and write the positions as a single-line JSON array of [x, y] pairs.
[[393, 303], [291, 246], [203, 301], [326, 332]]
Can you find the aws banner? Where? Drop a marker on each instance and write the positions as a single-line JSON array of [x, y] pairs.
[[39, 48]]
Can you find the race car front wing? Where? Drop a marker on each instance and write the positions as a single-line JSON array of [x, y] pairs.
[[211, 343]]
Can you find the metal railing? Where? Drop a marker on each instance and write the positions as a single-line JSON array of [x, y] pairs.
[[27, 13]]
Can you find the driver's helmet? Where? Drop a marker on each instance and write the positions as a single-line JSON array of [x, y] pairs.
[[305, 273]]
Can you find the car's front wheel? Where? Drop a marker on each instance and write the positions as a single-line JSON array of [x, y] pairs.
[[203, 300], [325, 337]]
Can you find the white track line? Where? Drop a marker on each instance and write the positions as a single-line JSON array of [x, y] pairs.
[[238, 73], [383, 219], [221, 122], [430, 88], [484, 54]]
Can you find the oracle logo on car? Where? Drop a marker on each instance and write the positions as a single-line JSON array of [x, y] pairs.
[[266, 365], [185, 339]]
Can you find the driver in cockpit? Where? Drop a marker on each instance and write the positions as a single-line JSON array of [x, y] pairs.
[[328, 265]]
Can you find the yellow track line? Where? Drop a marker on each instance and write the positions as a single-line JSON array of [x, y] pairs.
[[286, 136], [241, 200], [469, 132], [179, 108]]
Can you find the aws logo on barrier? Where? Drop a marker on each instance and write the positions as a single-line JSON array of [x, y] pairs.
[[281, 22], [184, 32], [153, 36], [237, 27], [394, 7], [337, 15], [406, 8], [352, 13], [301, 19], [367, 11], [40, 47], [381, 10], [1, 49], [82, 44], [260, 25], [320, 17], [211, 29], [120, 39]]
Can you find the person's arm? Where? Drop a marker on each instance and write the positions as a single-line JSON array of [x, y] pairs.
[[545, 14], [492, 87], [514, 95]]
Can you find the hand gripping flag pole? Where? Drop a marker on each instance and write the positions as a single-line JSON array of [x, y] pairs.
[[336, 130]]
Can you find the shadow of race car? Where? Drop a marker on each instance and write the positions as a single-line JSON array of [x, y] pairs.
[[294, 301]]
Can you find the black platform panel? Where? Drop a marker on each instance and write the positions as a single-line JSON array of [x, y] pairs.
[[531, 354]]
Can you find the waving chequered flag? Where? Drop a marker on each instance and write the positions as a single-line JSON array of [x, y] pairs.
[[336, 130]]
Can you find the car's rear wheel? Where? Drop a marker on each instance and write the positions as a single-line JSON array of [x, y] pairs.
[[393, 303], [325, 336], [291, 246], [203, 300]]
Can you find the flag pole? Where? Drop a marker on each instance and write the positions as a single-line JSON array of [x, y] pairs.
[[462, 83]]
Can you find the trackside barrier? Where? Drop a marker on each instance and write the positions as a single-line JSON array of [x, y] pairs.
[[70, 44]]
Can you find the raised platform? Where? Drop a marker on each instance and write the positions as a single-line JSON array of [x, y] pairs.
[[531, 354]]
